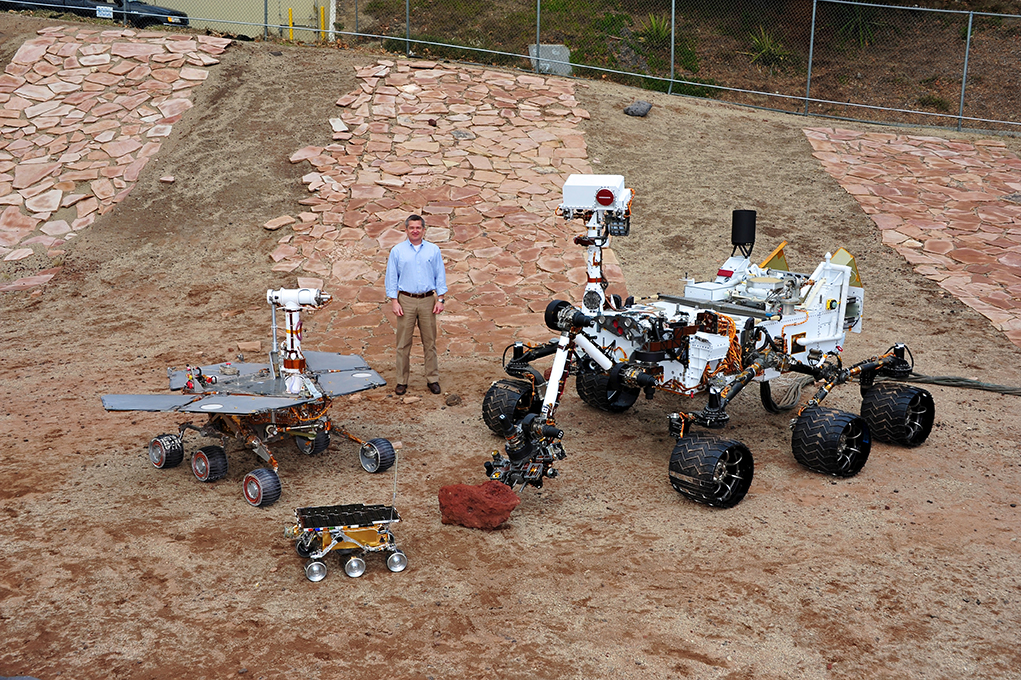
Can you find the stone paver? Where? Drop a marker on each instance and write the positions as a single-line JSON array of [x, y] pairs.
[[951, 208], [81, 111], [482, 155]]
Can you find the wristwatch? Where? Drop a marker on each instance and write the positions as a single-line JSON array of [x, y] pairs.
[[443, 301]]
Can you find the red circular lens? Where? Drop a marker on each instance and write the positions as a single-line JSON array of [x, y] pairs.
[[604, 197]]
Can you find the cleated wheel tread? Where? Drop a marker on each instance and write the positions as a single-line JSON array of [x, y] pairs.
[[377, 455], [313, 446], [710, 470], [209, 463], [831, 442], [261, 487], [166, 451], [594, 390], [898, 414], [511, 398]]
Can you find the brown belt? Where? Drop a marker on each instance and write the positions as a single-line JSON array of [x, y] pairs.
[[417, 295]]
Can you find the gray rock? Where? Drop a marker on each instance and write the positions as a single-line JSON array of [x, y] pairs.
[[639, 108]]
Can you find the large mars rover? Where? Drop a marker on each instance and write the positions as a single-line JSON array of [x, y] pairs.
[[752, 323]]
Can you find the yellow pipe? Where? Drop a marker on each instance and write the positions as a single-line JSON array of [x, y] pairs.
[[290, 24], [322, 22]]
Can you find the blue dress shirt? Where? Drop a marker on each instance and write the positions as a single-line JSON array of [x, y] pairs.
[[415, 270]]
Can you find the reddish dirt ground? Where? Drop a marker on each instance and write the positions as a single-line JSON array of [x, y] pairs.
[[112, 569]]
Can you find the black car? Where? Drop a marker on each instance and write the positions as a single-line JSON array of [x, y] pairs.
[[123, 11]]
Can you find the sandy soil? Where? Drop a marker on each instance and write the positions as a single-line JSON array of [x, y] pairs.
[[112, 569]]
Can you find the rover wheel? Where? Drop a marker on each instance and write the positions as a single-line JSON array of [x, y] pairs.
[[166, 451], [354, 567], [305, 548], [710, 470], [377, 455], [783, 393], [510, 398], [832, 442], [594, 390], [315, 571], [397, 561], [313, 446], [261, 487], [209, 463], [898, 414]]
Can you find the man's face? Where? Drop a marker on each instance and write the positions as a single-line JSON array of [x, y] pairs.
[[415, 231]]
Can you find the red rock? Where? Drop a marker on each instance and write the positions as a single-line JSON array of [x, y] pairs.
[[483, 506]]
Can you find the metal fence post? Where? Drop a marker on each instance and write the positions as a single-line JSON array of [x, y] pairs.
[[356, 15], [407, 28], [811, 48], [964, 76], [673, 41], [538, 19]]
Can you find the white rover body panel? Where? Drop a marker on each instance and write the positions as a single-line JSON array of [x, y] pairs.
[[753, 322]]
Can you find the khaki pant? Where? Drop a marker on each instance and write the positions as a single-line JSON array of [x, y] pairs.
[[417, 311]]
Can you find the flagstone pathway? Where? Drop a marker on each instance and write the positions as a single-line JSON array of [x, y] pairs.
[[82, 112], [482, 155], [951, 208]]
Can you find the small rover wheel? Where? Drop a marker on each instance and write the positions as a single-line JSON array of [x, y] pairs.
[[832, 442], [594, 390], [209, 463], [308, 544], [354, 567], [315, 571], [261, 487], [397, 561], [166, 451], [713, 471], [313, 446], [377, 455], [510, 398], [898, 414]]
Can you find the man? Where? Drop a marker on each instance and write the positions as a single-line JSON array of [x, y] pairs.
[[415, 283]]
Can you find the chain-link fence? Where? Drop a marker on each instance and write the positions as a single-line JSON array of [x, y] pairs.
[[861, 60]]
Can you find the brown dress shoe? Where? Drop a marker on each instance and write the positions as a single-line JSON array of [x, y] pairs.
[[400, 389], [435, 388]]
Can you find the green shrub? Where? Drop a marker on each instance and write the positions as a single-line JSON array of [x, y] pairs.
[[656, 32], [860, 24], [934, 102], [767, 49]]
